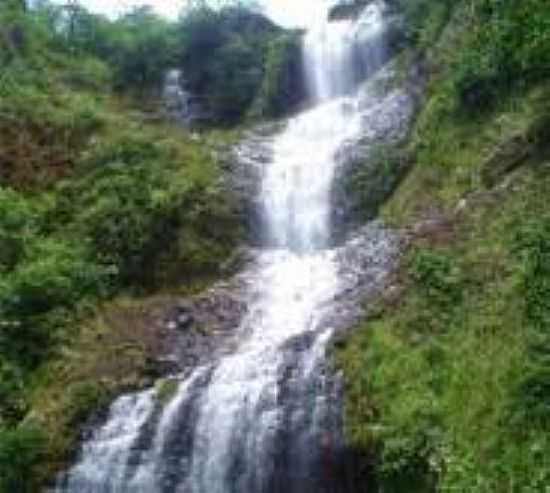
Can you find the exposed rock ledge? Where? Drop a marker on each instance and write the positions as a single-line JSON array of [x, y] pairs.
[[347, 10]]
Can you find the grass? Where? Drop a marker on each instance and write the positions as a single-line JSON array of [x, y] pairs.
[[456, 155], [447, 385], [435, 382]]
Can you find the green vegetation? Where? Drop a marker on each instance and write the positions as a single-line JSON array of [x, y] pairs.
[[283, 87], [509, 50], [423, 20], [100, 202], [166, 389], [110, 350], [138, 47], [97, 200], [447, 380], [234, 60], [20, 450]]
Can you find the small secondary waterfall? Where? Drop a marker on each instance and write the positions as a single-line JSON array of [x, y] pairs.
[[264, 417], [177, 101]]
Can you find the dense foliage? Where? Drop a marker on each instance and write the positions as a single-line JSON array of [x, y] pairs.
[[447, 385], [423, 20], [507, 44], [138, 47], [510, 48], [451, 388], [447, 382], [283, 86], [95, 201], [233, 59]]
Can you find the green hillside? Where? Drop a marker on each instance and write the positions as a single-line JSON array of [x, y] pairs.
[[108, 211], [448, 379]]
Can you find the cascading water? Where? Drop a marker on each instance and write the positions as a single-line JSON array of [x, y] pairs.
[[263, 418], [340, 54], [177, 101], [296, 186]]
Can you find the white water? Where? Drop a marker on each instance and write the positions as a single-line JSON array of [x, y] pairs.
[[259, 419], [177, 101], [296, 187], [335, 52]]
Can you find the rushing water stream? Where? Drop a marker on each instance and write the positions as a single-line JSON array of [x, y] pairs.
[[265, 417]]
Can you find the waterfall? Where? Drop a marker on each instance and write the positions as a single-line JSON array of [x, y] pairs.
[[340, 54], [264, 417], [296, 186], [177, 101]]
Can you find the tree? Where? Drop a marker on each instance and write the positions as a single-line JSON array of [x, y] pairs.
[[222, 56], [143, 47]]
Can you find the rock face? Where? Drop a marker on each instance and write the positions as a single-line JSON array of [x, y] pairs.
[[390, 38], [283, 89], [515, 150], [194, 329], [243, 166], [370, 167], [347, 10]]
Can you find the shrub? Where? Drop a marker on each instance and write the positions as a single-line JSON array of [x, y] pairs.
[[423, 20], [283, 87], [21, 449], [17, 220], [12, 405], [511, 47], [222, 57], [42, 130], [532, 401], [94, 199], [438, 277], [239, 67], [52, 277]]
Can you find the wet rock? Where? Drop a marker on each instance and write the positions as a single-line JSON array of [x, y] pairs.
[[184, 306], [200, 326], [370, 166], [184, 321], [300, 343], [165, 365], [184, 316], [243, 166]]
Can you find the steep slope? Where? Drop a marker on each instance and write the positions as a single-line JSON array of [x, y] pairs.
[[262, 414], [97, 200], [447, 380]]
